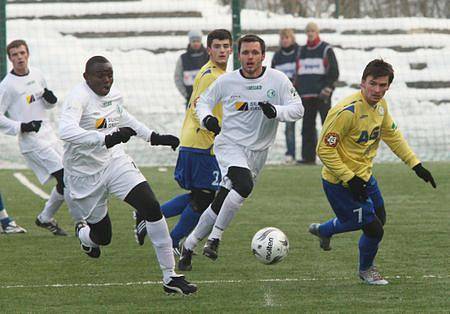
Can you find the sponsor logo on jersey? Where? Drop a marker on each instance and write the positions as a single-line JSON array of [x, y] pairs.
[[247, 106], [30, 99], [107, 103], [254, 87], [331, 139], [105, 123], [271, 93]]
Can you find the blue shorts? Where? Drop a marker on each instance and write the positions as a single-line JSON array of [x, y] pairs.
[[347, 209], [197, 169]]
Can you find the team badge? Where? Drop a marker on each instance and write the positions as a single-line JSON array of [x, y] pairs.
[[271, 93], [119, 108], [331, 139], [293, 92], [381, 110]]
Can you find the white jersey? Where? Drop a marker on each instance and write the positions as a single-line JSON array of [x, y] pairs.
[[243, 120], [21, 99], [85, 120]]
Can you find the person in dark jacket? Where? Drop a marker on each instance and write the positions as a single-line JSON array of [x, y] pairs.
[[189, 63], [317, 73], [285, 61]]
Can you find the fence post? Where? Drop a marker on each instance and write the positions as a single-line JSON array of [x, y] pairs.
[[336, 12], [236, 22], [2, 38]]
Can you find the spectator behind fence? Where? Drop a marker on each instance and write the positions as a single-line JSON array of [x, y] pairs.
[[189, 63], [317, 73], [284, 60]]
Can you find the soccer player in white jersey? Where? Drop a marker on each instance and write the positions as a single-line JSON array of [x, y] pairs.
[[254, 100], [93, 124], [24, 97]]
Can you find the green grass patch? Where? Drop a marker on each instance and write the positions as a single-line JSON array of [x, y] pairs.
[[414, 254]]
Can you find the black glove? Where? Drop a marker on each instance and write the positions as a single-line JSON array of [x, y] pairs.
[[424, 174], [212, 124], [32, 126], [325, 94], [49, 96], [166, 140], [358, 187], [122, 135], [268, 109]]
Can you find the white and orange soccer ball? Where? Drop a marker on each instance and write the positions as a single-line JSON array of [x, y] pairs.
[[270, 245]]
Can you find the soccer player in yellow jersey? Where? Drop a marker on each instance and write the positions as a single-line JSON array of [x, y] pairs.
[[348, 143], [197, 170]]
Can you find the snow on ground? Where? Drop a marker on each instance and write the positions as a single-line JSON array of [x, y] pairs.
[[146, 79]]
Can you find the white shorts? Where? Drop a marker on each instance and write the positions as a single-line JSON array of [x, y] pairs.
[[44, 162], [88, 195], [232, 155]]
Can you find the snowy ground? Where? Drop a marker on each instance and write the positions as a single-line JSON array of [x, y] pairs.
[[146, 79]]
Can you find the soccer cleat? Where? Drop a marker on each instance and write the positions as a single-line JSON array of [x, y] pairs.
[[51, 226], [372, 277], [176, 251], [93, 252], [324, 241], [140, 230], [178, 284], [12, 228], [211, 249], [185, 262]]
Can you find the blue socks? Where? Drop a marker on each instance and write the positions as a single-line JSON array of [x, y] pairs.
[[176, 205], [334, 226], [4, 219], [368, 248], [188, 220]]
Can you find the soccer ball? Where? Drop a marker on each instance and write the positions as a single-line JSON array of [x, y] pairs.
[[270, 245]]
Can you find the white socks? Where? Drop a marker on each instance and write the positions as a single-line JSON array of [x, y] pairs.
[[158, 233], [232, 203], [204, 225], [84, 237], [51, 206]]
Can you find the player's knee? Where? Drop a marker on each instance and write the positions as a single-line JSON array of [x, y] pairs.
[[151, 211], [381, 214], [374, 229], [142, 198], [201, 200], [242, 180]]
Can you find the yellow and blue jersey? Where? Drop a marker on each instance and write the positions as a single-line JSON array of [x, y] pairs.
[[351, 135], [193, 137]]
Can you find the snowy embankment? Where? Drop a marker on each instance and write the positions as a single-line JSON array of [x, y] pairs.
[[60, 47]]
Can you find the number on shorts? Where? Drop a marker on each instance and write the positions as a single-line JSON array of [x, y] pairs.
[[359, 211], [216, 175]]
